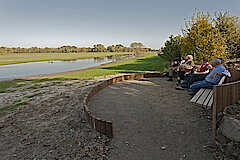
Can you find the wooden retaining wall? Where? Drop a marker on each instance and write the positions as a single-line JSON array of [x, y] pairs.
[[103, 126]]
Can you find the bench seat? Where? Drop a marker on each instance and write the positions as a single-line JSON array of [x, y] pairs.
[[204, 97]]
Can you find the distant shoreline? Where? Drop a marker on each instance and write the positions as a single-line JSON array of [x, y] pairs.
[[8, 59]]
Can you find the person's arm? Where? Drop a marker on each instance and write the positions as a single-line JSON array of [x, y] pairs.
[[213, 75], [188, 65], [224, 73], [205, 72], [209, 67]]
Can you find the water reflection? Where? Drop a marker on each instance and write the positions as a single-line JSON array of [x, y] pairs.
[[49, 67]]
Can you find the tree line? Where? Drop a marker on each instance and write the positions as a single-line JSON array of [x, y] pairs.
[[134, 47], [203, 35]]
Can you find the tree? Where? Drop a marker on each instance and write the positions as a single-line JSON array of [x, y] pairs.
[[111, 48], [229, 28], [202, 39], [172, 49], [136, 45], [99, 48], [119, 48]]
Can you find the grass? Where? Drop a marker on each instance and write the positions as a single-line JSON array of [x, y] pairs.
[[148, 63], [11, 107], [14, 58], [34, 87], [5, 85], [36, 94]]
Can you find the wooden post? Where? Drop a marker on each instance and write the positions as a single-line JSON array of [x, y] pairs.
[[109, 129], [214, 116]]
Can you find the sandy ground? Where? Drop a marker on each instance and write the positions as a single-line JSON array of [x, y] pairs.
[[152, 120], [51, 125]]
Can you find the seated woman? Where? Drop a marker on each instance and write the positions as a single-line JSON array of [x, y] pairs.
[[197, 75], [174, 67], [185, 68], [213, 78]]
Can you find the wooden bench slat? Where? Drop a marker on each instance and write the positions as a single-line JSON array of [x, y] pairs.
[[210, 103], [222, 80], [196, 97], [204, 96], [208, 99]]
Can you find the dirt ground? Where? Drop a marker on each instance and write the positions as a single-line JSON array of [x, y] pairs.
[[152, 120], [51, 124]]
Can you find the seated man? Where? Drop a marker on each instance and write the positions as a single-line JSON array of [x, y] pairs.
[[185, 68], [213, 78], [197, 75]]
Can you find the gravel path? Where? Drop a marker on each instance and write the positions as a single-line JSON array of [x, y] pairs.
[[153, 121]]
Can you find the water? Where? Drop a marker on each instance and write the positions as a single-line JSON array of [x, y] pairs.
[[49, 67]]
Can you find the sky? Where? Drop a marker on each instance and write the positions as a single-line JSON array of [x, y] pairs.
[[83, 23]]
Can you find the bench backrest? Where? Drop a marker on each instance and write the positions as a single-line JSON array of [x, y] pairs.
[[235, 75], [228, 93], [225, 95], [222, 80]]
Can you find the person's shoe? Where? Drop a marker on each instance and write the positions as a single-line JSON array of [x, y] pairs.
[[191, 94], [184, 86], [179, 88], [170, 79], [165, 75]]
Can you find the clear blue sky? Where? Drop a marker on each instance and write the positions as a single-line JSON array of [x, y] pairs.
[[53, 23]]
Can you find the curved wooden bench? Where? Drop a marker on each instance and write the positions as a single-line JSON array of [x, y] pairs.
[[103, 126]]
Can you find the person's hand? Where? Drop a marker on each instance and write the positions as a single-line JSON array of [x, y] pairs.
[[178, 68], [213, 75]]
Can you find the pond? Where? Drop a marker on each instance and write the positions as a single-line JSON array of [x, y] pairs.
[[49, 67]]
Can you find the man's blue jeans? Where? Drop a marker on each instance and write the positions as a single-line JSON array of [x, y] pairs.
[[196, 86]]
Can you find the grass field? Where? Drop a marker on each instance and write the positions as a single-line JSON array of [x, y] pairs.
[[13, 58], [150, 62]]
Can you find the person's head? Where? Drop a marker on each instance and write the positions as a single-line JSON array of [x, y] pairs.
[[223, 62], [216, 62], [189, 57], [205, 59]]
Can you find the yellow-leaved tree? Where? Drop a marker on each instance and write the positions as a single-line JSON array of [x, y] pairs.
[[201, 38]]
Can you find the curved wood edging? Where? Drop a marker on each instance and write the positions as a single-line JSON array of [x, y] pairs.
[[103, 126]]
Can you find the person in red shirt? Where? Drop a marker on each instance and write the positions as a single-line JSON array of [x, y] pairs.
[[197, 75]]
